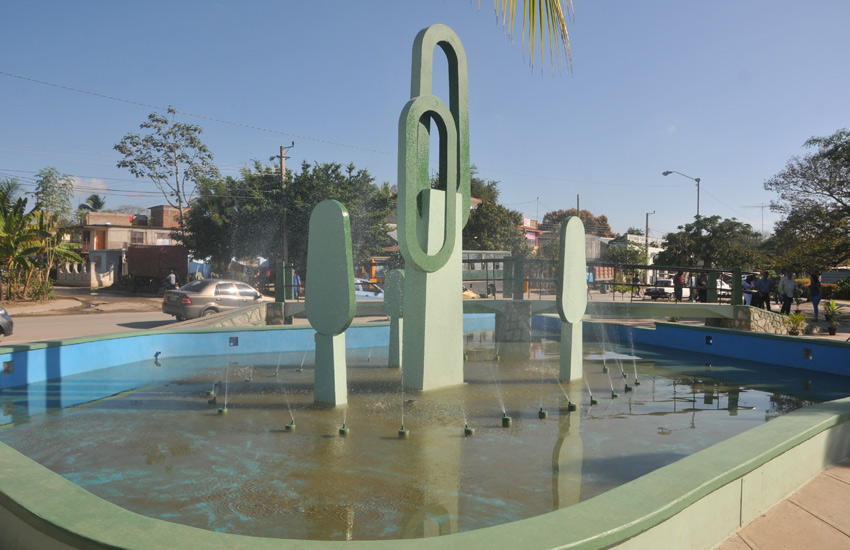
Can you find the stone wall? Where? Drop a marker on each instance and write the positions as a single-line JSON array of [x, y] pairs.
[[514, 325], [85, 275], [753, 319]]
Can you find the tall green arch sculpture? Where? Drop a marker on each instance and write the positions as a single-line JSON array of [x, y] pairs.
[[430, 221]]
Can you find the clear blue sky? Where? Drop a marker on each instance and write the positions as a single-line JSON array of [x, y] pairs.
[[726, 91]]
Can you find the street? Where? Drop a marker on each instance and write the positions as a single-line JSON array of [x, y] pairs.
[[55, 326]]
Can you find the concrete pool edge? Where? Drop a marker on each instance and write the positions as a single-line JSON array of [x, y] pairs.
[[695, 502]]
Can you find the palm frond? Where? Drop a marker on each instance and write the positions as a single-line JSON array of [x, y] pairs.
[[541, 20]]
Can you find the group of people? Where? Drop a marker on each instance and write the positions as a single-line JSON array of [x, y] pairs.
[[757, 292], [698, 287]]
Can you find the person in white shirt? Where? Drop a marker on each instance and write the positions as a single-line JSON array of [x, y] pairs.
[[787, 289]]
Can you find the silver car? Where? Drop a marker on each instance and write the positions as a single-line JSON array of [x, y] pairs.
[[6, 323], [208, 297]]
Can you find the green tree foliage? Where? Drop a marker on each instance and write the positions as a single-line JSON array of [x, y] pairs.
[[814, 196], [491, 226], [624, 253], [809, 239], [19, 245], [171, 155], [711, 241], [244, 217], [487, 191], [53, 191], [94, 203], [593, 225], [10, 190]]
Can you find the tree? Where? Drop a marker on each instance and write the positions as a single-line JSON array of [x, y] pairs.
[[810, 239], [54, 191], [243, 217], [10, 190], [491, 226], [19, 244], [634, 231], [593, 225], [814, 196], [94, 203], [710, 242], [624, 253], [171, 155]]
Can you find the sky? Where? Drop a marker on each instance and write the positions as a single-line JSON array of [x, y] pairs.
[[725, 91]]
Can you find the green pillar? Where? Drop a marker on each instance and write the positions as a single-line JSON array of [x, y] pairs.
[[711, 291], [330, 302], [518, 277], [508, 278], [394, 307]]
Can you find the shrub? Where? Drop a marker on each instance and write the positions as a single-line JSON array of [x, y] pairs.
[[842, 290], [41, 291]]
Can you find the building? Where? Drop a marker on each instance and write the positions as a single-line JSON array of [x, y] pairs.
[[110, 231]]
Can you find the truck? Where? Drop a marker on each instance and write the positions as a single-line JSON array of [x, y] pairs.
[[150, 265]]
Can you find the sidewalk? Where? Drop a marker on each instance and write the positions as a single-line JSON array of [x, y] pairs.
[[815, 517]]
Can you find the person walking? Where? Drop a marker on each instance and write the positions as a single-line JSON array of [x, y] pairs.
[[702, 288], [692, 285], [787, 288], [636, 286], [763, 291], [678, 283], [814, 294], [749, 287]]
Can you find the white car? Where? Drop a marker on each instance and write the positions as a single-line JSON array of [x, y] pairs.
[[663, 288], [365, 289]]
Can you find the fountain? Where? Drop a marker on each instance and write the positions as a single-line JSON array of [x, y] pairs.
[[240, 474]]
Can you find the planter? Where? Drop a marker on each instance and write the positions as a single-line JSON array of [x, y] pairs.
[[832, 330]]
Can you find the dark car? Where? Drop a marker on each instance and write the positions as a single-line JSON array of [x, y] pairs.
[[6, 323], [208, 297]]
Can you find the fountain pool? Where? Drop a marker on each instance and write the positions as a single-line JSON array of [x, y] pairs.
[[147, 438]]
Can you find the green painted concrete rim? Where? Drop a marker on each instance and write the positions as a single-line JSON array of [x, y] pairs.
[[62, 510]]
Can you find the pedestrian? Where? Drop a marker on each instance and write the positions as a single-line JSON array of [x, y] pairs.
[[636, 285], [787, 290], [171, 279], [702, 288], [749, 286], [763, 291], [678, 283], [296, 283], [814, 294]]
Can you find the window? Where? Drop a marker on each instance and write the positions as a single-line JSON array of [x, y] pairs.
[[163, 238], [225, 289], [137, 237], [246, 291]]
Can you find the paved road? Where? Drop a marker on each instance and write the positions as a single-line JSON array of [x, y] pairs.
[[52, 327]]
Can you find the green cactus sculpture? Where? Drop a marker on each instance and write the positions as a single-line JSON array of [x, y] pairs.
[[430, 221], [571, 297], [330, 301]]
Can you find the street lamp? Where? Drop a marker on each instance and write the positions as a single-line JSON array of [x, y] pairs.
[[646, 241], [668, 172]]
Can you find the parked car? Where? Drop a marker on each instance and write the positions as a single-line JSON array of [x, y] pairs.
[[367, 290], [208, 297], [6, 323], [663, 288]]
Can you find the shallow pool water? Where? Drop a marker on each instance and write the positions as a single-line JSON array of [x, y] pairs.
[[145, 436]]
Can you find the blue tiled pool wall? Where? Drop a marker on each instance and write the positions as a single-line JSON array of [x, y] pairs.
[[800, 352], [38, 363]]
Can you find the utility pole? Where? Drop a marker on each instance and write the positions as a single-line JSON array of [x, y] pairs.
[[282, 156], [762, 206], [646, 239], [578, 202]]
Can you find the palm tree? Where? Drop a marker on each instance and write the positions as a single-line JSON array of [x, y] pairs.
[[19, 243], [94, 203], [537, 16], [10, 190]]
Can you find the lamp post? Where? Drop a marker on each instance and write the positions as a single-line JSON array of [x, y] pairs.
[[668, 172], [646, 271]]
